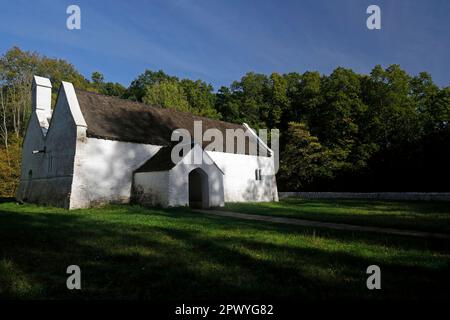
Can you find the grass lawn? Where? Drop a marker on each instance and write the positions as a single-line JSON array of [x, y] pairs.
[[129, 252], [421, 216]]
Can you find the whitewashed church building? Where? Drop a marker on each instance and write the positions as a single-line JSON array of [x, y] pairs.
[[93, 149]]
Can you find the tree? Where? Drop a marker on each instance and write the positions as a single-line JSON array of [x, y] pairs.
[[4, 127], [279, 102], [166, 94], [304, 94], [97, 78], [439, 110], [304, 161], [113, 89], [137, 89], [393, 117], [200, 98], [252, 94], [428, 104], [10, 167], [335, 119], [227, 105], [17, 68]]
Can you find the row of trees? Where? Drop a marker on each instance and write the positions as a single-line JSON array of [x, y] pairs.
[[344, 131]]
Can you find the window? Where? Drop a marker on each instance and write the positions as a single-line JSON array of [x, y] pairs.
[[258, 174]]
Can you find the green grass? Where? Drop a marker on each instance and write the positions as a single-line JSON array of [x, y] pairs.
[[128, 252], [422, 216]]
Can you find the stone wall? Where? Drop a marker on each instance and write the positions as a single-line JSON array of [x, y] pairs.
[[406, 196]]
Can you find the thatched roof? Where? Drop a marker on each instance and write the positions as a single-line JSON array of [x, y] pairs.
[[125, 120]]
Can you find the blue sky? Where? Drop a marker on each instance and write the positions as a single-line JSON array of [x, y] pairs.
[[219, 41]]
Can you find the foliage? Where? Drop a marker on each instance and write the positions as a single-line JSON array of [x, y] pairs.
[[138, 87], [158, 88], [200, 98], [107, 88], [97, 78], [252, 95], [385, 131], [17, 68], [166, 94], [10, 159], [305, 159]]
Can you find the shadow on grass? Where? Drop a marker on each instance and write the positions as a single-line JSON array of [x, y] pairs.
[[135, 253], [421, 216], [420, 207], [7, 199]]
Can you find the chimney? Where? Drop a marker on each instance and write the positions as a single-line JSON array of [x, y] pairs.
[[42, 101], [42, 93]]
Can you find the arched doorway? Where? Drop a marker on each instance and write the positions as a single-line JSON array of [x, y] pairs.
[[198, 189]]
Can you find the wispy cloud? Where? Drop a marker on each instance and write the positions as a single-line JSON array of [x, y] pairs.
[[219, 41]]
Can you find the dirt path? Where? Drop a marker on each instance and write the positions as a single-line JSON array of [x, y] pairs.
[[329, 225]]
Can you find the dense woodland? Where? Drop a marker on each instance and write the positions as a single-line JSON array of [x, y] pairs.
[[386, 131]]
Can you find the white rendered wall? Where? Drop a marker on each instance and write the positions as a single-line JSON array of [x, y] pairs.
[[151, 188], [179, 181], [52, 170], [104, 171], [240, 183]]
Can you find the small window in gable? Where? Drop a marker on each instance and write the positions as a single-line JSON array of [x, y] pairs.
[[258, 174]]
